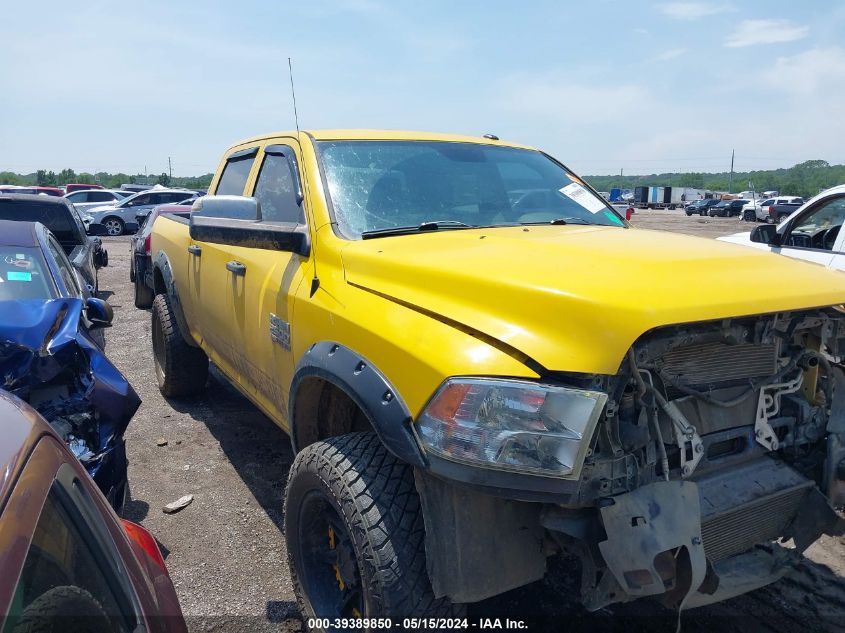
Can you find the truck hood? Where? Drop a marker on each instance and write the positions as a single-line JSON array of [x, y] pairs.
[[575, 298]]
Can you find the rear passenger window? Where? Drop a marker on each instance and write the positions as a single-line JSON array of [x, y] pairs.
[[65, 584], [65, 268], [276, 191], [100, 196], [235, 174]]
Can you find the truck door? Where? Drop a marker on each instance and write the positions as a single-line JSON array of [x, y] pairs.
[[212, 281], [263, 299]]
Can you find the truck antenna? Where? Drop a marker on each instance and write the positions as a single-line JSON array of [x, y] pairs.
[[315, 281]]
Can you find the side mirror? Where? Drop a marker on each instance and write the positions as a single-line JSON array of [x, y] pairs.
[[236, 221], [99, 313], [766, 234], [97, 229], [230, 207], [101, 256]]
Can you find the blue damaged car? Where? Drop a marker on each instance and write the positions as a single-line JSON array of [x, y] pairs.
[[51, 353]]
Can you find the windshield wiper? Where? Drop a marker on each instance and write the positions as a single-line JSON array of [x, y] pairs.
[[434, 225], [558, 222]]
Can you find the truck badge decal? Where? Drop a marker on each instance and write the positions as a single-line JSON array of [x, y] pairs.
[[280, 331]]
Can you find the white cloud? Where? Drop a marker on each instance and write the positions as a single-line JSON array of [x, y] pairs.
[[693, 10], [551, 98], [672, 53], [753, 32], [816, 74]]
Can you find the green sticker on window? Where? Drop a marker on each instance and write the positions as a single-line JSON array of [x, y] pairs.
[[613, 218], [18, 276]]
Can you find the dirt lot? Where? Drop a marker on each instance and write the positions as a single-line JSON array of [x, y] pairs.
[[226, 551]]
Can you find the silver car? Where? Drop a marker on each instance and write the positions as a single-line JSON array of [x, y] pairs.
[[117, 216], [85, 199]]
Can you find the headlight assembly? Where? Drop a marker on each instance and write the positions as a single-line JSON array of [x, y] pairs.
[[511, 425]]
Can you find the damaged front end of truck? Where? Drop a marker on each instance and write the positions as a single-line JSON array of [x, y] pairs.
[[48, 359], [720, 458], [701, 470]]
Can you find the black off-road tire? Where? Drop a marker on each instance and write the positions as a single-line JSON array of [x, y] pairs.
[[143, 295], [63, 609], [181, 369], [373, 494]]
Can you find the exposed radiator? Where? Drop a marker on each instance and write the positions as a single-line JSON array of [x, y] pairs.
[[739, 529], [710, 363]]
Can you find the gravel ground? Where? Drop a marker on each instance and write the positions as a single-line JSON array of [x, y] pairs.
[[226, 551]]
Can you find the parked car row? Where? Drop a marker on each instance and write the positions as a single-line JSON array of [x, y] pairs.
[[774, 210], [770, 210], [122, 215], [69, 562]]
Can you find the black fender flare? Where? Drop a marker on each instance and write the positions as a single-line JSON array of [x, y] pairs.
[[162, 265], [368, 387]]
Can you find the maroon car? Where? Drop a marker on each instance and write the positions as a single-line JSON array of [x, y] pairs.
[[34, 190], [68, 562], [76, 186]]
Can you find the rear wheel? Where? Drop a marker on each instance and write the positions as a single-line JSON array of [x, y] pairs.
[[355, 533], [181, 369], [782, 217], [114, 226]]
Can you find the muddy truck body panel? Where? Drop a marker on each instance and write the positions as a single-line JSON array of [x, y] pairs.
[[554, 380]]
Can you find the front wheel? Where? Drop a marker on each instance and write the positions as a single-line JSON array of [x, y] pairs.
[[114, 226], [355, 534]]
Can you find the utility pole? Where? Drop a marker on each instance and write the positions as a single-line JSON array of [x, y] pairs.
[[170, 168], [731, 178], [621, 172]]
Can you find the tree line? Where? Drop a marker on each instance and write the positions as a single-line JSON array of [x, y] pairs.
[[45, 178], [804, 179]]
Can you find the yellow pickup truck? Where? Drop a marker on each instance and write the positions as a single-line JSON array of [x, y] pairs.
[[481, 365]]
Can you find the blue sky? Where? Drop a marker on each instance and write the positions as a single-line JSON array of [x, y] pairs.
[[603, 85]]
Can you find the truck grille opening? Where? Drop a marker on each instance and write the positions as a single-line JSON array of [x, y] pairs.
[[737, 530]]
